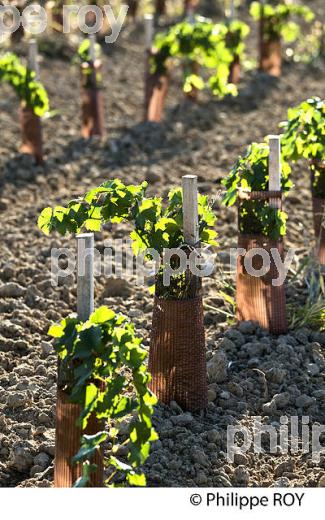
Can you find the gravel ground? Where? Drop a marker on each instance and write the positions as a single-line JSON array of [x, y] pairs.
[[250, 372]]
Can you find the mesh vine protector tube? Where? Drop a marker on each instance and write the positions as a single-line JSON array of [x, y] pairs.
[[92, 103], [177, 353], [318, 169], [258, 299], [156, 89], [177, 348], [31, 131], [270, 51]]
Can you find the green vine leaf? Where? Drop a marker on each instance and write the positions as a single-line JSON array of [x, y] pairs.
[[304, 137], [31, 92], [212, 46], [276, 19], [251, 172]]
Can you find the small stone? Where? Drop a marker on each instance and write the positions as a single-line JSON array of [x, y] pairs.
[[253, 362], [124, 428], [121, 451], [217, 367], [235, 389], [275, 375], [254, 349], [8, 272], [284, 467], [175, 464], [304, 401], [247, 327], [201, 479], [21, 459], [241, 406], [212, 395], [17, 400], [321, 482], [117, 287], [200, 457], [319, 394], [227, 345], [135, 313], [281, 482], [221, 481], [48, 447], [241, 476], [3, 205], [47, 348], [40, 430], [11, 290], [313, 369], [236, 336], [175, 407], [35, 470], [269, 408], [281, 400], [302, 335], [240, 459], [41, 370], [152, 177], [44, 418], [213, 436], [182, 420], [42, 460], [225, 395]]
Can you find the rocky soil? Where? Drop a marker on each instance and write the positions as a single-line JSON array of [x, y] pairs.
[[250, 372]]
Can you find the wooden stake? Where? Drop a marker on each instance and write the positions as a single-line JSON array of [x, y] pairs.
[[190, 15], [232, 10], [190, 210], [68, 433], [275, 168], [32, 57], [149, 30], [92, 48], [85, 275]]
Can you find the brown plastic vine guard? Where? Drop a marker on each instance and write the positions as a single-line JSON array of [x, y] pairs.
[[257, 298], [156, 89], [92, 105], [177, 352], [319, 224], [319, 212], [67, 444], [270, 53], [234, 72], [31, 131]]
